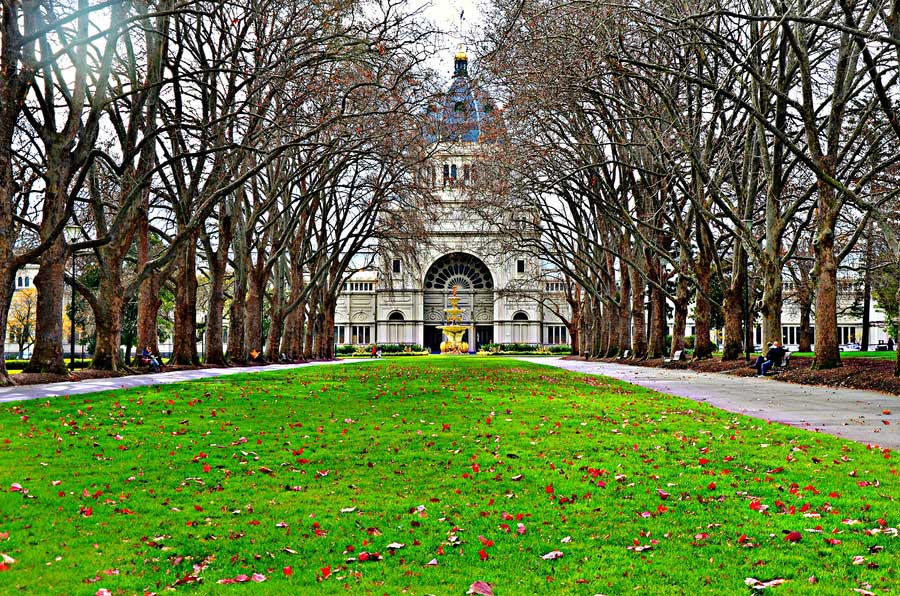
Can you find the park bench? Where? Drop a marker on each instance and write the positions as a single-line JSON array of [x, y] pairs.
[[783, 365], [678, 356]]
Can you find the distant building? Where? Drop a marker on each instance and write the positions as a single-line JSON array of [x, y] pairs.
[[502, 291]]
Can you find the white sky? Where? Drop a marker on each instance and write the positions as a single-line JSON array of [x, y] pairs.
[[445, 15]]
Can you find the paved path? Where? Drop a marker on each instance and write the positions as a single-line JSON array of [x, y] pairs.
[[91, 385], [848, 413]]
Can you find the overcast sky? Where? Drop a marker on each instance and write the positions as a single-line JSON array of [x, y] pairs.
[[445, 14]]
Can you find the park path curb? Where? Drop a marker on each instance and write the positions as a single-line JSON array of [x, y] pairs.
[[48, 390], [847, 413]]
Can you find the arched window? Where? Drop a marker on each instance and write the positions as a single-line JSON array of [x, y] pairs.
[[453, 172], [27, 281], [520, 316], [396, 316], [20, 281]]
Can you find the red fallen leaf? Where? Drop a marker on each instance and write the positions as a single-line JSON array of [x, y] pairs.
[[703, 461], [481, 588], [483, 554], [207, 467], [326, 572], [662, 494], [363, 556], [288, 571], [549, 489], [886, 422], [86, 511], [711, 486], [440, 550], [103, 592], [661, 509], [832, 541], [743, 539], [886, 412], [486, 541], [701, 536], [793, 536]]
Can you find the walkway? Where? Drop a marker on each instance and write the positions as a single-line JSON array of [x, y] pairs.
[[90, 385], [847, 413]]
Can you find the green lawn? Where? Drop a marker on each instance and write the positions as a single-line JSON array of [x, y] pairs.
[[481, 468]]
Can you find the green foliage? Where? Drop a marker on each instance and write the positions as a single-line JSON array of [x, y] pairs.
[[304, 470], [689, 342]]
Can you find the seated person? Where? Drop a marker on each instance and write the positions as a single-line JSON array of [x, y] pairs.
[[151, 360], [774, 357], [256, 356]]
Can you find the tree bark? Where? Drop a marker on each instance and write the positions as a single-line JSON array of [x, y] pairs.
[[827, 352], [7, 289], [50, 283], [184, 342], [679, 323], [702, 313], [108, 320], [253, 331], [638, 315]]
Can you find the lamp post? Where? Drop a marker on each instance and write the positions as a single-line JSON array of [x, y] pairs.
[[72, 233], [748, 225]]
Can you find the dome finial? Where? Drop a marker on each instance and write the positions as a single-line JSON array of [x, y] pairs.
[[461, 63]]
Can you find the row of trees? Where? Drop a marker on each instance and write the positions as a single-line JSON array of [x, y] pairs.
[[685, 153], [251, 143]]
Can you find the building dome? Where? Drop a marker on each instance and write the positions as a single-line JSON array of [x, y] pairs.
[[464, 114]]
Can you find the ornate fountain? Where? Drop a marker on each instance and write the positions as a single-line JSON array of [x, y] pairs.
[[454, 330]]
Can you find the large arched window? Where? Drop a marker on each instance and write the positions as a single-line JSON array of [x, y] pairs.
[[458, 269], [520, 316], [395, 316], [453, 172]]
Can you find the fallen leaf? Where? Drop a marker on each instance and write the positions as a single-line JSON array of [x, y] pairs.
[[553, 554], [481, 589]]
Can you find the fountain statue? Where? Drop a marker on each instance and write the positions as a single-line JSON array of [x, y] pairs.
[[454, 330]]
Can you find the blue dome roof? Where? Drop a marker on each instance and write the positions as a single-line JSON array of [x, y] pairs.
[[464, 113]]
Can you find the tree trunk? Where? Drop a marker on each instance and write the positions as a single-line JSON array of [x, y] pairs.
[[702, 314], [770, 268], [215, 353], [734, 314], [638, 315], [50, 283], [184, 342], [108, 320], [7, 278], [623, 316], [276, 317], [827, 352], [679, 323], [236, 314], [804, 302], [253, 331], [656, 346]]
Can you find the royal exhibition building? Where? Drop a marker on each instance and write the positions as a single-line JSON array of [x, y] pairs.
[[404, 300]]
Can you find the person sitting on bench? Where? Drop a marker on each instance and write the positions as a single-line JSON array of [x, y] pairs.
[[774, 357], [149, 359]]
